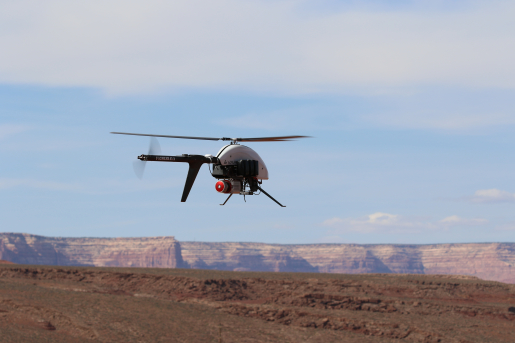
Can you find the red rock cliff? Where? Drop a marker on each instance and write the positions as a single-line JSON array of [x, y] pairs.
[[149, 252], [489, 261]]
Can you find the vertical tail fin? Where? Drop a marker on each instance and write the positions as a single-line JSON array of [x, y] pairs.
[[190, 179]]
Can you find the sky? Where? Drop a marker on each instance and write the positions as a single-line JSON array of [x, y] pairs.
[[410, 105]]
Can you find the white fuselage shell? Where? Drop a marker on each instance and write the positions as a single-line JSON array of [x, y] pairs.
[[231, 154]]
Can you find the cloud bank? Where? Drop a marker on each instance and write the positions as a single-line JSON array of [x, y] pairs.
[[380, 222], [265, 46], [490, 196]]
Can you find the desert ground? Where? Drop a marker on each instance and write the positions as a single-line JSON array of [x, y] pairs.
[[90, 304]]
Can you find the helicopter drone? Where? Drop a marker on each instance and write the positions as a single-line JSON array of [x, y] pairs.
[[238, 168]]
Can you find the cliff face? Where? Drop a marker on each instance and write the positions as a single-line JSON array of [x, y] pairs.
[[489, 261], [158, 252], [244, 257], [494, 261], [325, 258]]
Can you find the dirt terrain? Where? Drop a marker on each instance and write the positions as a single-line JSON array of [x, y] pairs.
[[85, 304]]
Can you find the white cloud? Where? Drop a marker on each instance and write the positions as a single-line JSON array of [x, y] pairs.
[[441, 119], [7, 130], [376, 222], [456, 220], [484, 196], [284, 46], [506, 227], [392, 223]]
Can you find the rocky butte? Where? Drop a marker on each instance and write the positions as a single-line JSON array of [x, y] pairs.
[[489, 261]]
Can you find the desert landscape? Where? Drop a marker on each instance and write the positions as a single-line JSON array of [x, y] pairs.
[[257, 171], [157, 289], [81, 304]]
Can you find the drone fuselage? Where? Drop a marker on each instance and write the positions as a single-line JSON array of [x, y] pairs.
[[231, 154], [238, 168], [235, 166]]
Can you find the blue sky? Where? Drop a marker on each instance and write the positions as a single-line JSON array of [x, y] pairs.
[[410, 103]]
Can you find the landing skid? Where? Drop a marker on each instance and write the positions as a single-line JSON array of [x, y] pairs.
[[250, 193]]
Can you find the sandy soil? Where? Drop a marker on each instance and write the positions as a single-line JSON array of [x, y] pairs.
[[71, 304]]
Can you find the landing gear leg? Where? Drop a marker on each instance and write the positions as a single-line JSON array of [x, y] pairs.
[[268, 195], [230, 195]]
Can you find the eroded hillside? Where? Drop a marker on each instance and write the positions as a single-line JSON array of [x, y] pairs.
[[68, 304]]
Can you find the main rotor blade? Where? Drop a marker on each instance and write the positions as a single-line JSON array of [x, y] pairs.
[[167, 136], [270, 139], [258, 139]]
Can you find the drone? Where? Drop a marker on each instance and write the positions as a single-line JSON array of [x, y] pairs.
[[238, 168]]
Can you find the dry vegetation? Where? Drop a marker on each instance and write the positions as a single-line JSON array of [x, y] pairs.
[[71, 304]]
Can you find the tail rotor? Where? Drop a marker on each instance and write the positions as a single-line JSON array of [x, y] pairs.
[[153, 149]]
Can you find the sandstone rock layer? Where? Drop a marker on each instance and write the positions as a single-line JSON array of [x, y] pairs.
[[489, 261]]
